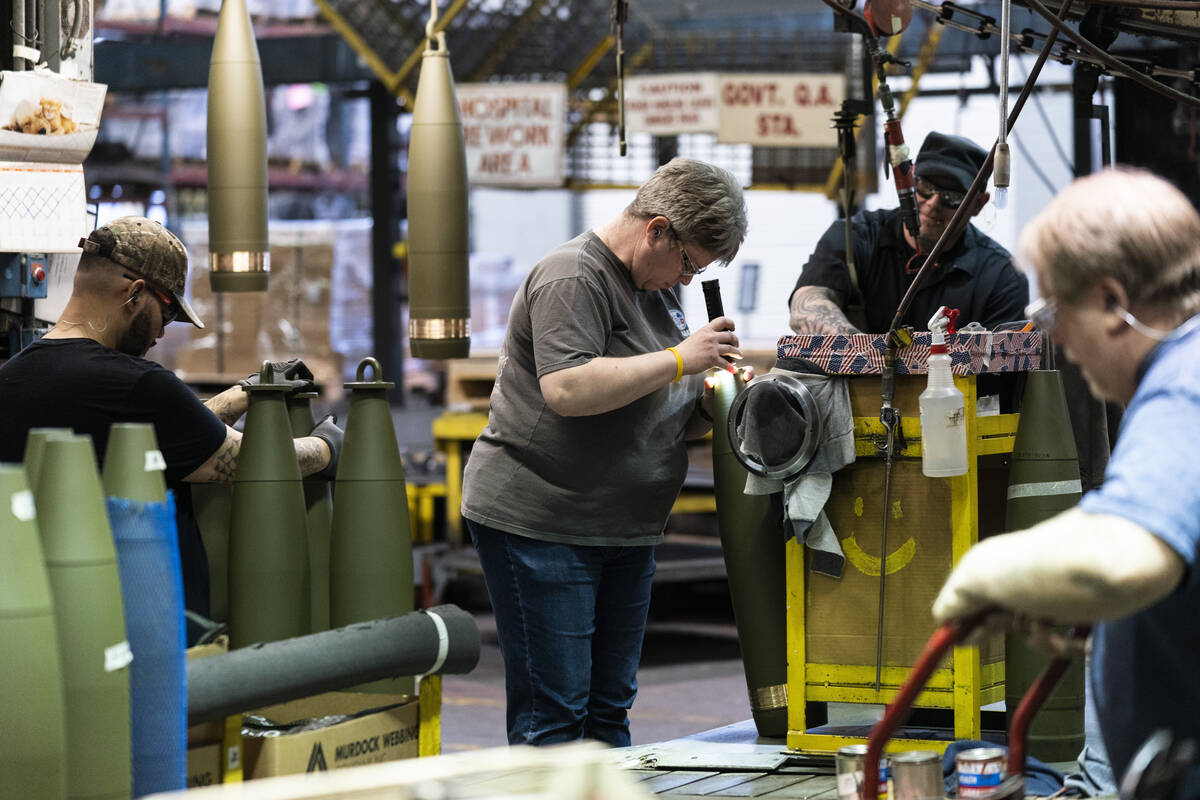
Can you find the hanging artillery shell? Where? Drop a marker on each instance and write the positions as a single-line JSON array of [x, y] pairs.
[[239, 258], [438, 295]]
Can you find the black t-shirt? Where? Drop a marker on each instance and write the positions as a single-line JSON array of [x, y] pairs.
[[83, 385], [976, 276]]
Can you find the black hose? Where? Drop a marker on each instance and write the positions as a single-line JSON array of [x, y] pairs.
[[959, 220]]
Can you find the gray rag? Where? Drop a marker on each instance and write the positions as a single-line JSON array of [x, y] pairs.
[[804, 496]]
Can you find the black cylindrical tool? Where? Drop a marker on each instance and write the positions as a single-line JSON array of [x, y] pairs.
[[712, 298], [712, 302], [443, 639]]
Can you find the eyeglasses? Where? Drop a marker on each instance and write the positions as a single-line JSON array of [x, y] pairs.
[[950, 199], [1043, 313], [689, 266], [170, 310]]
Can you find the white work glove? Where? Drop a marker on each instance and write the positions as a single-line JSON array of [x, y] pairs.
[[1075, 567]]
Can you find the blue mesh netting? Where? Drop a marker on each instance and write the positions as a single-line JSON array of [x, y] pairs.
[[152, 594]]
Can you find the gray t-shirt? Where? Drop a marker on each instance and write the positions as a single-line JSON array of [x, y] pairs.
[[605, 479]]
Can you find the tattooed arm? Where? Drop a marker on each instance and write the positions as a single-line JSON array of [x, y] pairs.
[[312, 454], [814, 310], [223, 463], [229, 405]]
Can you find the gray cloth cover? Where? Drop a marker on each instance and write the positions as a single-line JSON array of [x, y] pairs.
[[804, 496]]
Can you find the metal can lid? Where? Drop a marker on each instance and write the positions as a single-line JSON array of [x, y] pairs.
[[916, 757], [981, 754]]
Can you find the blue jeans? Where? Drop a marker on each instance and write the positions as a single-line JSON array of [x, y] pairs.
[[570, 620]]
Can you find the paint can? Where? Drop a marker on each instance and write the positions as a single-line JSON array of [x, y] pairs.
[[917, 775], [979, 771], [850, 772]]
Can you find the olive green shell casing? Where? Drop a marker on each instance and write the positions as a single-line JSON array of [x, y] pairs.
[[212, 506], [371, 559], [1043, 480], [438, 291], [318, 507], [268, 536], [81, 562], [35, 443], [754, 566], [133, 465], [33, 738], [237, 157]]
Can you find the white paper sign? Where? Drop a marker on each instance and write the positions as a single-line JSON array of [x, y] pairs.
[[514, 132], [776, 110], [665, 105]]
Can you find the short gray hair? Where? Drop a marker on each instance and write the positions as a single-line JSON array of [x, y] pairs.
[[1122, 223], [703, 202]]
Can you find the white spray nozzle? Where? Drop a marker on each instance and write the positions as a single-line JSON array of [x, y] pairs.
[[942, 323]]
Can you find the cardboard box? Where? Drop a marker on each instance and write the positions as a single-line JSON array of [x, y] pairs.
[[204, 765], [381, 728], [205, 740]]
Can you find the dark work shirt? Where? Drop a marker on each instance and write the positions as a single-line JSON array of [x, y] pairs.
[[83, 385], [976, 276]]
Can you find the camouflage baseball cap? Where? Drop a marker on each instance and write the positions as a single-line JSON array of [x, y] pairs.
[[145, 247]]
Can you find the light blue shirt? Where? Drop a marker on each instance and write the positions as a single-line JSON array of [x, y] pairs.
[[1146, 667]]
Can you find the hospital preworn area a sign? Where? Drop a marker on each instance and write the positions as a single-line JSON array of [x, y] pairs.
[[760, 109], [514, 132]]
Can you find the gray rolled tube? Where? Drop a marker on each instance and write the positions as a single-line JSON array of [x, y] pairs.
[[260, 675]]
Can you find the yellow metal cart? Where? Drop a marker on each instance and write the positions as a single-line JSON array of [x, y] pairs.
[[831, 624]]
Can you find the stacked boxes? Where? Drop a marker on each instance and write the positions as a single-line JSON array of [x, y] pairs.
[[290, 319]]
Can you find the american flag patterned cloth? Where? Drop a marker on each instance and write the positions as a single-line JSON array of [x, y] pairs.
[[970, 353]]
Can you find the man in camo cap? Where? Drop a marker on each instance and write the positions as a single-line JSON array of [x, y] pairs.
[[151, 252], [88, 372]]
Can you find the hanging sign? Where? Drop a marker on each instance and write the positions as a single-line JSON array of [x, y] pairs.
[[665, 105], [514, 132], [773, 110]]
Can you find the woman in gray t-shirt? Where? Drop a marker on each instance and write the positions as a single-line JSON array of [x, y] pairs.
[[569, 486]]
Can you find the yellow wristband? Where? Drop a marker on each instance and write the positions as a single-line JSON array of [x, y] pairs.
[[678, 364]]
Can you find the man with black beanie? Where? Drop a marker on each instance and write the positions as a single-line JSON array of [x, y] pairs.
[[974, 274]]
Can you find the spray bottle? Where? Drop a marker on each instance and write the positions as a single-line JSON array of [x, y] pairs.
[[943, 415]]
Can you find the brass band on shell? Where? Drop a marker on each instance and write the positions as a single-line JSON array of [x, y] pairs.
[[240, 261], [769, 698], [459, 328]]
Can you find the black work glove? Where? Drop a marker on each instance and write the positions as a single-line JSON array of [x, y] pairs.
[[327, 431], [293, 372]]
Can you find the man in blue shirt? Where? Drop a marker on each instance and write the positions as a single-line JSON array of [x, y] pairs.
[[1117, 255]]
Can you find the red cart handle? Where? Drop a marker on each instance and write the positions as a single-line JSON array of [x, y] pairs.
[[897, 712]]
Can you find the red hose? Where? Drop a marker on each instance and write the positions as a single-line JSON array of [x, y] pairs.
[[897, 711]]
